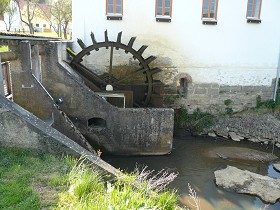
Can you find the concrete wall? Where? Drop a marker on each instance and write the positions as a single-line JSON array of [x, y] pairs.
[[21, 129], [29, 93], [215, 58], [118, 131]]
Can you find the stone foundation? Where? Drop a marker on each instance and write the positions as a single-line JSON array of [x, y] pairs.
[[212, 96]]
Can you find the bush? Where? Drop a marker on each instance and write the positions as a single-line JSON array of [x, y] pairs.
[[195, 122], [269, 104]]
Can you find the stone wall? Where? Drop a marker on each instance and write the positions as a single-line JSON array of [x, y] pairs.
[[212, 96], [261, 128]]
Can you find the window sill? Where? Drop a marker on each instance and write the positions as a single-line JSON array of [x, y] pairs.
[[253, 20], [114, 17], [209, 21], [163, 19]]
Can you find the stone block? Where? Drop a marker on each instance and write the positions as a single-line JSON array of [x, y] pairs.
[[224, 89], [200, 91], [213, 92], [204, 85], [215, 85], [235, 89], [170, 90]]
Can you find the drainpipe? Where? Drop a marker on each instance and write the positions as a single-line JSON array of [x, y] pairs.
[[277, 78], [1, 78]]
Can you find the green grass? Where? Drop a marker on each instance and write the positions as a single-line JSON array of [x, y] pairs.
[[4, 48], [26, 179], [30, 180], [88, 189]]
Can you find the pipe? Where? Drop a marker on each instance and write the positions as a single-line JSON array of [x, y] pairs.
[[8, 56], [277, 78]]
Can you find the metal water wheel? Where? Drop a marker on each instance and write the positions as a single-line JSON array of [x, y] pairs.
[[147, 93]]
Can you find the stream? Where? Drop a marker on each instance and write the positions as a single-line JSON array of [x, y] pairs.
[[190, 158]]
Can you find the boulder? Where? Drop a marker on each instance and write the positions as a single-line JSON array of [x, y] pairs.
[[234, 136], [212, 134], [277, 166], [243, 181]]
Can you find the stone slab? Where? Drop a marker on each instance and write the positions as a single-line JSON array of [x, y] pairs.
[[267, 188], [241, 153]]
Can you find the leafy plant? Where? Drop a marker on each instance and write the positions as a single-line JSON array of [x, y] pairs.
[[228, 109], [269, 104], [227, 102], [259, 101], [195, 122]]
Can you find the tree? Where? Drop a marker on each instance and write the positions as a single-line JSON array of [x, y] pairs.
[[27, 12], [11, 15], [61, 11], [8, 9], [4, 5]]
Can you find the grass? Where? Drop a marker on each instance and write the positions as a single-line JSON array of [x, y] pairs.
[[28, 180], [4, 48], [31, 180], [89, 189]]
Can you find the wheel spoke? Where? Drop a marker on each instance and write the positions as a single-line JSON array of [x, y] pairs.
[[111, 62]]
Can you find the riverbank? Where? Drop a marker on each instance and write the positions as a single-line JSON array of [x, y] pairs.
[[32, 180], [261, 127]]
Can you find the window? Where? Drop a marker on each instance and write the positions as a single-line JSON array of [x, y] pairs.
[[44, 25], [209, 11], [37, 24], [114, 8], [254, 9], [163, 7], [163, 10]]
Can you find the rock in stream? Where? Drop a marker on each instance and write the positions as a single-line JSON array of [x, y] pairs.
[[243, 181], [241, 154]]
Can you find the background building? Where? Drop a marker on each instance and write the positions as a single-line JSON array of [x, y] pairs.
[[209, 50]]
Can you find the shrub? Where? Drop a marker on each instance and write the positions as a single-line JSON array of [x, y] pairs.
[[195, 122], [227, 102]]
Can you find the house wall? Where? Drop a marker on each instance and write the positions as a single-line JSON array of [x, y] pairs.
[[231, 60]]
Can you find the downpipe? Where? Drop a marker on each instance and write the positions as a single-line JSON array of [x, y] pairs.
[[277, 78]]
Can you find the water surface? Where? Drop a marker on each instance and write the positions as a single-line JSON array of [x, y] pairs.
[[190, 157]]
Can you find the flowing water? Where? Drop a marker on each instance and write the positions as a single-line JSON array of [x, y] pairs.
[[190, 157]]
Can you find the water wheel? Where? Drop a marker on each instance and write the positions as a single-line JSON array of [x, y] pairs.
[[147, 93]]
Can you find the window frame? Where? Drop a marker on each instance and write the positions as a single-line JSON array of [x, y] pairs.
[[163, 8], [115, 8], [209, 10], [253, 10]]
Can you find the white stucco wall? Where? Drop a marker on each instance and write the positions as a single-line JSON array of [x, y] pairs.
[[233, 52]]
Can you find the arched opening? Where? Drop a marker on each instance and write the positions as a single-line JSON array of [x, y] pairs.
[[97, 122], [182, 87], [182, 82]]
